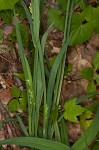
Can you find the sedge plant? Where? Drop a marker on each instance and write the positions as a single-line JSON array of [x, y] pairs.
[[46, 93]]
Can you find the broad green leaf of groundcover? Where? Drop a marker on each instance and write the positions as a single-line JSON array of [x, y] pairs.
[[62, 4], [96, 61], [23, 103], [72, 110], [7, 4], [6, 15], [15, 91], [95, 20], [82, 4], [23, 100], [87, 73], [91, 88], [91, 14], [57, 17], [80, 32], [13, 105], [38, 143], [85, 120]]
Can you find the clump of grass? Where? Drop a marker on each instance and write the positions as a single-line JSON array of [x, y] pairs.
[[39, 92]]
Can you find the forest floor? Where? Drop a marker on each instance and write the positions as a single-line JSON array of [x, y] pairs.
[[79, 56]]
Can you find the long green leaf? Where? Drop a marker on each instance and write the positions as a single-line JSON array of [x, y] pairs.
[[29, 18], [53, 73], [64, 132], [37, 143], [44, 38], [22, 125], [87, 96], [27, 73], [36, 19]]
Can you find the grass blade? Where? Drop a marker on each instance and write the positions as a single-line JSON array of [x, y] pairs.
[[57, 132], [64, 132], [44, 38], [37, 143], [22, 125], [53, 74], [87, 96], [27, 73]]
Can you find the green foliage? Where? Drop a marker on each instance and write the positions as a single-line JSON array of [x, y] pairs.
[[54, 115], [19, 100], [91, 14], [92, 74], [37, 143], [97, 77], [6, 15], [24, 33], [62, 4], [20, 76], [1, 124], [20, 10], [13, 105], [57, 17], [72, 110], [12, 36], [80, 32], [95, 146], [52, 60], [85, 120], [96, 61], [39, 92], [15, 91], [91, 88], [1, 35], [68, 69], [82, 4], [5, 4], [83, 23], [42, 4], [23, 100], [88, 136], [87, 73]]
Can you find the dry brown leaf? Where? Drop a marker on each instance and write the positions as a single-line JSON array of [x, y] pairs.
[[5, 95]]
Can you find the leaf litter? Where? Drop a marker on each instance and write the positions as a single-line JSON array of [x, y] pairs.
[[73, 85]]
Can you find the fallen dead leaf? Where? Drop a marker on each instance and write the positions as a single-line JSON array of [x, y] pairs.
[[5, 95]]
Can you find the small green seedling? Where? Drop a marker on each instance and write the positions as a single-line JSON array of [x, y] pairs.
[[19, 100], [72, 110], [91, 74]]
